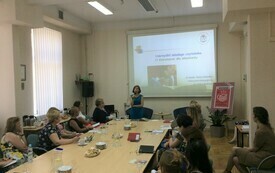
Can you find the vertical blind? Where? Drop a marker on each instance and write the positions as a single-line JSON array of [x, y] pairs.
[[47, 69]]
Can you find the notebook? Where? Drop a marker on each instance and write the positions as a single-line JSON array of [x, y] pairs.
[[134, 137], [146, 149]]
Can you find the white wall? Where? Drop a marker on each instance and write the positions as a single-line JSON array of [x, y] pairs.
[[7, 86], [107, 59], [15, 49], [262, 64], [23, 55]]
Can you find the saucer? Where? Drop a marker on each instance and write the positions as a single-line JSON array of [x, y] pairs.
[[65, 169], [79, 144]]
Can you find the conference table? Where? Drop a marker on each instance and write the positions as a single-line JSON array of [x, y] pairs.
[[119, 156]]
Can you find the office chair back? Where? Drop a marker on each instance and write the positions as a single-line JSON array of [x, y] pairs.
[[33, 140], [147, 112], [127, 112]]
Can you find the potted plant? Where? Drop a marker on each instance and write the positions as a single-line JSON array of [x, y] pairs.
[[218, 118]]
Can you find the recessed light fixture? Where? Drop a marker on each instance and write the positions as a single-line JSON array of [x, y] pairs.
[[196, 3], [100, 7]]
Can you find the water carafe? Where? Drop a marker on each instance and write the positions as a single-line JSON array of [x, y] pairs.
[[57, 158], [32, 120], [26, 120]]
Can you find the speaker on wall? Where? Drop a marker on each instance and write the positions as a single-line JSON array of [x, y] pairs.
[[87, 89]]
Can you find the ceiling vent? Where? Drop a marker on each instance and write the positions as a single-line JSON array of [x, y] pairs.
[[147, 5]]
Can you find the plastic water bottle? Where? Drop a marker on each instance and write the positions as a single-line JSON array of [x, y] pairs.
[[30, 153]]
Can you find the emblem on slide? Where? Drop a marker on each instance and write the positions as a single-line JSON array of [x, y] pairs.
[[203, 37]]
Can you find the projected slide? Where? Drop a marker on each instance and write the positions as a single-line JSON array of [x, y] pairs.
[[173, 64]]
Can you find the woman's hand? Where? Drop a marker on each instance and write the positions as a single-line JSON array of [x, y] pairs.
[[76, 139]]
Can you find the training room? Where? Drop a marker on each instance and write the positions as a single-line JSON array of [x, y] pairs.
[[141, 61]]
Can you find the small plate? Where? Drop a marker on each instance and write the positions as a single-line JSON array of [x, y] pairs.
[[79, 144], [64, 169]]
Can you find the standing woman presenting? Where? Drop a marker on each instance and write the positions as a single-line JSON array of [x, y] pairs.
[[136, 103]]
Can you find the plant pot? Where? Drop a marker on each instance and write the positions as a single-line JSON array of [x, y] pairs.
[[217, 131]]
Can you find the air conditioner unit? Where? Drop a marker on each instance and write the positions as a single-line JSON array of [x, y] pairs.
[[147, 5]]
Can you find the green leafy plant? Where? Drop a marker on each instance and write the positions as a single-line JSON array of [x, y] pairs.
[[218, 117]]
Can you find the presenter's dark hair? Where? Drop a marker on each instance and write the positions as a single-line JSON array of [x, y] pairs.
[[77, 104], [262, 115], [137, 87]]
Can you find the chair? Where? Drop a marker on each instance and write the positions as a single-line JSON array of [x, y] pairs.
[[147, 112], [33, 140], [179, 111], [127, 112], [267, 165]]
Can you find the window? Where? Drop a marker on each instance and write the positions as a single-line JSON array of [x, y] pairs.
[[47, 69]]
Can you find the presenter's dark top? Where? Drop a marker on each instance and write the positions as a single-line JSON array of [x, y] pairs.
[[100, 116]]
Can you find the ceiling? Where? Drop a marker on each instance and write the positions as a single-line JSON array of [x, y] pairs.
[[130, 9]]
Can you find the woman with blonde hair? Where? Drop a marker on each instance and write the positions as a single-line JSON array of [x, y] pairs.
[[172, 161], [194, 111], [50, 136]]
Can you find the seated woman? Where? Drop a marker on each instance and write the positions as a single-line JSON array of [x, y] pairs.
[[66, 133], [75, 125], [13, 142], [82, 118], [186, 132], [194, 111], [264, 144], [172, 161], [14, 134], [100, 115], [197, 155], [50, 136]]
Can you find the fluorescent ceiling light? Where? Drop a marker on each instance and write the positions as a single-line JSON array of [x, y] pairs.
[[196, 3], [100, 7]]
